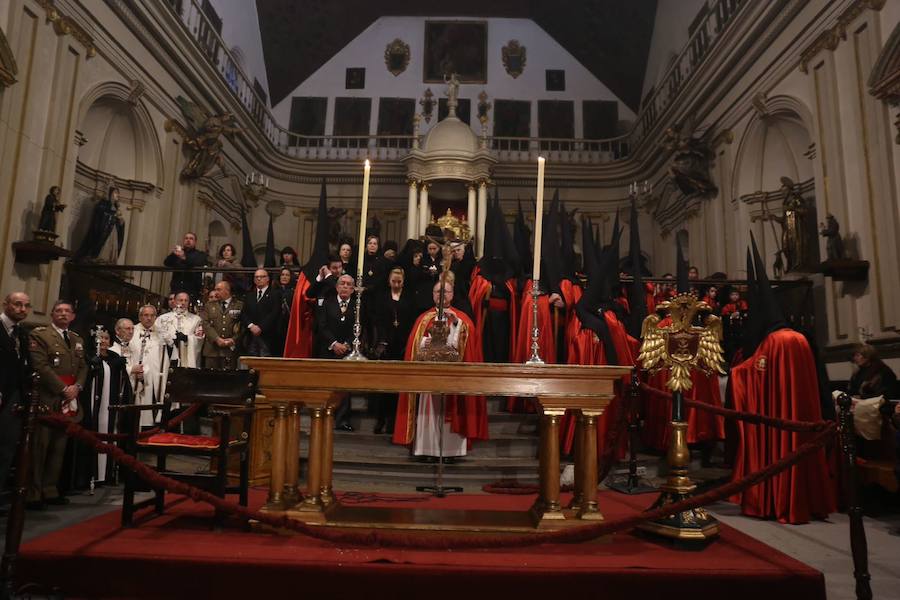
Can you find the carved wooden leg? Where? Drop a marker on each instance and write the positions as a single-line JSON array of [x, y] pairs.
[[313, 501], [542, 465], [276, 482], [578, 491], [327, 456], [292, 459], [547, 506], [588, 466]]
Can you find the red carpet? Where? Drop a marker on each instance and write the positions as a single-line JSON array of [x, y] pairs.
[[178, 556]]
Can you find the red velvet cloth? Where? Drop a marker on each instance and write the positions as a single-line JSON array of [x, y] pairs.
[[177, 556], [467, 414], [298, 343], [177, 439], [780, 380], [585, 348]]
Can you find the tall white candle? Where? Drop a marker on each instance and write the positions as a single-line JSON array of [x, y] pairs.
[[538, 222], [362, 220]]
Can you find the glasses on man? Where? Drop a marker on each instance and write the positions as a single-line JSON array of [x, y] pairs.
[[260, 276]]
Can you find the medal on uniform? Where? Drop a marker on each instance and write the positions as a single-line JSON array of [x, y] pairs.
[[56, 360]]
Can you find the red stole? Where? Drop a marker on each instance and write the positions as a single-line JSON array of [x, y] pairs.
[[467, 414], [780, 380]]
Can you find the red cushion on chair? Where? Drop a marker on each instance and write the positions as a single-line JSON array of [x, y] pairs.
[[177, 439]]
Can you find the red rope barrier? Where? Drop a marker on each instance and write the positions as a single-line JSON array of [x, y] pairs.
[[445, 542], [786, 424]]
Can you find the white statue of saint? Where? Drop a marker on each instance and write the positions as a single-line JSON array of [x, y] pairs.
[[452, 93]]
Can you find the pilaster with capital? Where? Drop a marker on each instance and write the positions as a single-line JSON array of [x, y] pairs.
[[424, 208], [412, 215], [471, 212], [482, 216]]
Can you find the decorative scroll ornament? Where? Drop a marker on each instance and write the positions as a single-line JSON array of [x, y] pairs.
[[679, 345], [427, 103], [513, 55], [202, 137], [396, 56]]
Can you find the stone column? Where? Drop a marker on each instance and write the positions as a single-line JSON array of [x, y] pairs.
[[471, 213], [482, 216], [412, 215], [424, 209]]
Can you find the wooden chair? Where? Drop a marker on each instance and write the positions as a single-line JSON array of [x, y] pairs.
[[226, 394]]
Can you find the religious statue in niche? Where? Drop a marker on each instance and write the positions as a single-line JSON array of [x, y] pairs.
[[690, 163], [106, 233], [46, 229], [795, 227], [513, 56], [834, 245], [334, 225], [396, 56], [202, 139]]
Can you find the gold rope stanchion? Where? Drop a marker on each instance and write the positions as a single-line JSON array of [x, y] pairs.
[[681, 346]]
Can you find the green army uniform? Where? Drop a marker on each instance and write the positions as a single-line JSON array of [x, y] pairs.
[[54, 361], [221, 323]]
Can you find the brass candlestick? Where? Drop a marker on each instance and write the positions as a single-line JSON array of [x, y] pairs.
[[356, 353], [681, 347]]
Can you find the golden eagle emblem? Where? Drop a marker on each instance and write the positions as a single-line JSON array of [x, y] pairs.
[[672, 340]]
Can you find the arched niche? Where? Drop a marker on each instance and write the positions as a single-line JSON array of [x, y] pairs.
[[776, 144], [119, 146]]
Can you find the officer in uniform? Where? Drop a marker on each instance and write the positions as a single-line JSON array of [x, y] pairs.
[[57, 355], [222, 326]]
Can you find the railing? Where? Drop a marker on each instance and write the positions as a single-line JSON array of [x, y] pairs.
[[720, 14]]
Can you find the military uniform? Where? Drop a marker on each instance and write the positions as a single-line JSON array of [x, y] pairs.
[[59, 364], [221, 322]]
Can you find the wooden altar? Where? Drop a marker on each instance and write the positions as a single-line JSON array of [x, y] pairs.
[[318, 385]]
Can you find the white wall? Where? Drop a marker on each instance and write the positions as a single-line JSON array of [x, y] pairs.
[[670, 36], [240, 27], [367, 50]]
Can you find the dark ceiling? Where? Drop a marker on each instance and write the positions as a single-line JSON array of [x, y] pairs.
[[609, 37]]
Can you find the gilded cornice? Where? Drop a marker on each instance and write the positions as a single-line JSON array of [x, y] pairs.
[[831, 38], [64, 25]]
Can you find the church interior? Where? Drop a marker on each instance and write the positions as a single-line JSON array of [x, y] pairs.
[[395, 291]]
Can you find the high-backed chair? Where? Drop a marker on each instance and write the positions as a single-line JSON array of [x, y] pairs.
[[226, 394]]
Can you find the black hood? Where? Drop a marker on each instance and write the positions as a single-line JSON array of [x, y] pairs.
[[682, 284], [765, 311], [637, 303], [551, 255], [320, 252], [597, 297]]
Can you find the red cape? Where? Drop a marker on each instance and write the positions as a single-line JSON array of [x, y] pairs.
[[467, 414], [703, 426], [298, 343], [780, 380], [585, 348]]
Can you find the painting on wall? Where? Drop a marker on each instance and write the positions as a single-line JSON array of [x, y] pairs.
[[456, 47]]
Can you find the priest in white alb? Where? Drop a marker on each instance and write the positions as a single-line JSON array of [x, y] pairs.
[[185, 329], [420, 422], [149, 362]]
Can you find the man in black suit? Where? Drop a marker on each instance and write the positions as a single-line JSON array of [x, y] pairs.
[[261, 316], [187, 256], [326, 279], [335, 318], [14, 375]]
